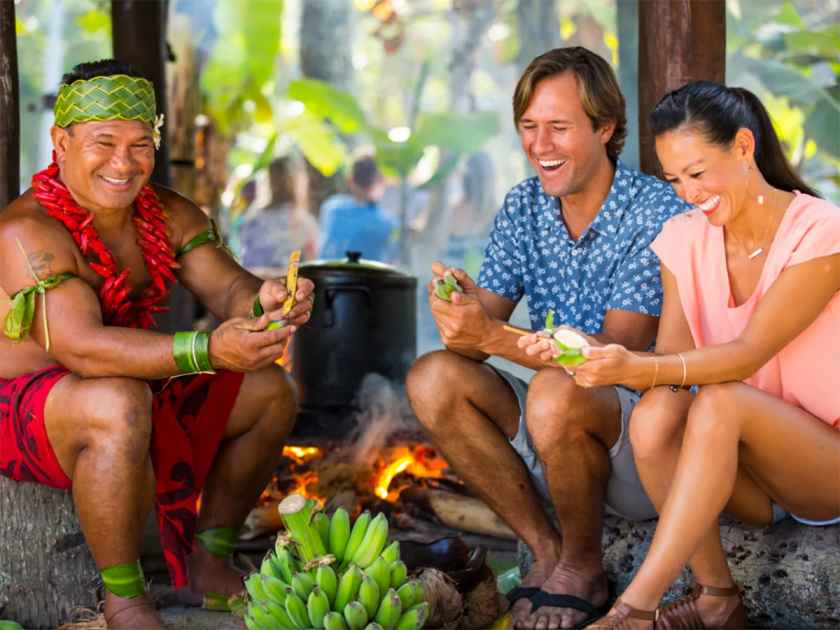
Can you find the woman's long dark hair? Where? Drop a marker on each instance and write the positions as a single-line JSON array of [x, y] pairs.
[[719, 112]]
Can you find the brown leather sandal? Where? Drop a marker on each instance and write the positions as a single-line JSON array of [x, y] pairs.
[[683, 614], [619, 616]]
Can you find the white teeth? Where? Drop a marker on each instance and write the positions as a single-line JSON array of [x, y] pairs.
[[547, 163], [111, 180], [709, 203]]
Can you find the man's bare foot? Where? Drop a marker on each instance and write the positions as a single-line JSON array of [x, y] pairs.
[[536, 576], [137, 613], [211, 574], [588, 585]]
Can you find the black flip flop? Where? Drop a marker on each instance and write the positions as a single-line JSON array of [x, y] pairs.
[[522, 592], [557, 600]]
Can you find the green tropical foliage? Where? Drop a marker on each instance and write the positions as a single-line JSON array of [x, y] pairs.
[[329, 112], [238, 79], [794, 67]]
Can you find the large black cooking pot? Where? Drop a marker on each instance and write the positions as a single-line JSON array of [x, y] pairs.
[[364, 320]]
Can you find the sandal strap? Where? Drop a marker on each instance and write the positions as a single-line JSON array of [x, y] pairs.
[[715, 591], [620, 613], [683, 614]]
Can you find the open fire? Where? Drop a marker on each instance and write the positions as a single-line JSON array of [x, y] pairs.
[[405, 463]]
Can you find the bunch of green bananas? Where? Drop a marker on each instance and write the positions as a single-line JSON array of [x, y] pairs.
[[329, 574]]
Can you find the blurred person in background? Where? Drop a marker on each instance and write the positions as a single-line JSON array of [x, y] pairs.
[[355, 221], [269, 233]]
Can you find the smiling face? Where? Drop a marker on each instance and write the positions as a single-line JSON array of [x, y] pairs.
[[712, 177], [559, 139], [105, 164]]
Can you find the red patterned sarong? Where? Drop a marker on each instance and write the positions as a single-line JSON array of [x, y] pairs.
[[189, 415]]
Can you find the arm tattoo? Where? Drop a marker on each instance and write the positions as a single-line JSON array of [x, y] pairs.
[[41, 262]]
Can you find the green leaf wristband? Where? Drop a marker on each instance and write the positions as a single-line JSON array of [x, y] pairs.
[[191, 351]]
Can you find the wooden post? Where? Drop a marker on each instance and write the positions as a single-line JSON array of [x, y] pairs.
[[139, 34], [139, 37], [679, 41], [9, 107]]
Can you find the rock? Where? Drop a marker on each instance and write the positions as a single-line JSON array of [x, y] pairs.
[[790, 572]]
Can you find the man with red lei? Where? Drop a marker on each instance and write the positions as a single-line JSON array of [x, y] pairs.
[[92, 398]]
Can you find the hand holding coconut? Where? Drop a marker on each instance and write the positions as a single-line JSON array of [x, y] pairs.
[[558, 346]]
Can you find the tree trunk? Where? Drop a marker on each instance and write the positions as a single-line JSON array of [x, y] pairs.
[[9, 107], [326, 21], [539, 29], [627, 20], [139, 39], [46, 570], [679, 41], [139, 34]]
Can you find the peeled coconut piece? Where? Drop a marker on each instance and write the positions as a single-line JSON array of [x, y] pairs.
[[570, 344]]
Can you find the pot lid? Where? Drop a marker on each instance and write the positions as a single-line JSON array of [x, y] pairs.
[[354, 264]]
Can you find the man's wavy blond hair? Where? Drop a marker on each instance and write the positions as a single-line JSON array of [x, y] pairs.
[[600, 95]]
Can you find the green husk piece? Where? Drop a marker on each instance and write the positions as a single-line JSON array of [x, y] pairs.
[[296, 512], [549, 321], [444, 288]]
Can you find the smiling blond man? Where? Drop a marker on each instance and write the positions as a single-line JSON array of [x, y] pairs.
[[574, 240], [92, 399]]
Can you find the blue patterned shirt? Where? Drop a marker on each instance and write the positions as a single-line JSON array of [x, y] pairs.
[[611, 265]]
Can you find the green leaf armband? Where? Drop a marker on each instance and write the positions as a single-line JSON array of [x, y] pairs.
[[22, 310], [191, 351]]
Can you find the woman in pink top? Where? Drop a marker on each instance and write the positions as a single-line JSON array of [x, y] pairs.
[[751, 314]]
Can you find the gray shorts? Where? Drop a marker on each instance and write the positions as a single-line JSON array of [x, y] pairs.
[[625, 494]]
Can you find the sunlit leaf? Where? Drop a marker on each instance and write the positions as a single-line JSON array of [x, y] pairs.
[[318, 140], [783, 80], [324, 100], [20, 27], [93, 21], [825, 42], [789, 16], [241, 62], [462, 133], [823, 125]]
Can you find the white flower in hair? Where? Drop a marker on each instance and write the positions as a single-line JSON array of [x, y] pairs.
[[156, 131]]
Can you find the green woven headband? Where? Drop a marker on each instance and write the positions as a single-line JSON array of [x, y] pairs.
[[116, 97]]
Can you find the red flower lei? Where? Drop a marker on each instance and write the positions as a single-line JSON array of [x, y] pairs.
[[118, 309]]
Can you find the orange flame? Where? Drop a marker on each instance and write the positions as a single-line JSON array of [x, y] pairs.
[[414, 460], [306, 482], [301, 454]]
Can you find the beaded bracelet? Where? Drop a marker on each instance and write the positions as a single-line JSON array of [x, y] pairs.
[[191, 351]]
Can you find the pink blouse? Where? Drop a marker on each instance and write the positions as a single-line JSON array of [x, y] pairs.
[[806, 372]]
